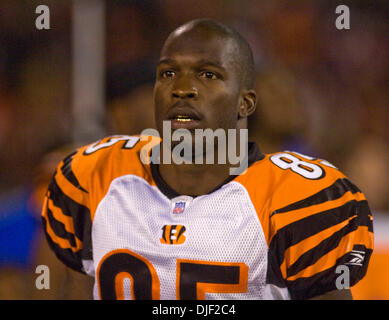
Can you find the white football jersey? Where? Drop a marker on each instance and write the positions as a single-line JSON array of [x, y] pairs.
[[278, 231]]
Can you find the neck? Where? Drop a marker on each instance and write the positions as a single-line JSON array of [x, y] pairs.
[[197, 177], [194, 179]]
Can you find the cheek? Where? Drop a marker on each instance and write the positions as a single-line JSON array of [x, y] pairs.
[[225, 109]]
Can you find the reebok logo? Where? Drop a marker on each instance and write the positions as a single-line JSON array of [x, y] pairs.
[[357, 258]]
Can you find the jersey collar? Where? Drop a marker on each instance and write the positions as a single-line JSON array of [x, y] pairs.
[[254, 155]]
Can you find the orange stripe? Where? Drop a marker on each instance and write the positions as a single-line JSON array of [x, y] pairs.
[[44, 207], [67, 221], [293, 253], [283, 219], [69, 189], [59, 216], [63, 243], [360, 236]]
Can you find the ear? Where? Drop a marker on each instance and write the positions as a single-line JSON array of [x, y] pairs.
[[248, 103]]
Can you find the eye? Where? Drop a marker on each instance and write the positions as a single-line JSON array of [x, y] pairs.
[[209, 75], [167, 74]]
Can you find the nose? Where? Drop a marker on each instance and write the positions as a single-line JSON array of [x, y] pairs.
[[184, 90], [189, 93]]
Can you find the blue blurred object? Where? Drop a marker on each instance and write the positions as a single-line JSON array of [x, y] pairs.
[[19, 228]]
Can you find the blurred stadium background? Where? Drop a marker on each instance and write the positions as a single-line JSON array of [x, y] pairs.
[[322, 92]]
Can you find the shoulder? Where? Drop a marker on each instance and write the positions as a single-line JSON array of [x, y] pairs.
[[293, 180], [116, 147], [111, 156], [309, 195], [297, 196], [88, 172], [303, 185], [318, 220], [79, 183]]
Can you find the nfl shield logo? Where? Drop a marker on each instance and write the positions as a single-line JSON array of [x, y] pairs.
[[179, 207]]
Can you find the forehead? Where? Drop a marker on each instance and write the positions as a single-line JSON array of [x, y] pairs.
[[200, 46]]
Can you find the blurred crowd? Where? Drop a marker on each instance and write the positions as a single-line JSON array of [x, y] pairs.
[[321, 91]]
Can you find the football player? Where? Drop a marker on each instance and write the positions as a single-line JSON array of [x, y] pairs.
[[289, 227]]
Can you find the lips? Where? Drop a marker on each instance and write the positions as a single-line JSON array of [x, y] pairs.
[[183, 116]]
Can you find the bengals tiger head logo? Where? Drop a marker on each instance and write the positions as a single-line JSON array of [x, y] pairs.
[[173, 234]]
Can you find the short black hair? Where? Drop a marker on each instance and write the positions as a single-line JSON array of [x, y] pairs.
[[244, 59]]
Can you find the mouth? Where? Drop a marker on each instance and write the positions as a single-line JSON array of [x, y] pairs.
[[184, 122], [183, 116]]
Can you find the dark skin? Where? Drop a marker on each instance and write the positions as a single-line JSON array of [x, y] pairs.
[[200, 67]]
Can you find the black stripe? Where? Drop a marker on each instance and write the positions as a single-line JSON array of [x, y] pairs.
[[182, 230], [333, 192], [67, 171], [274, 275], [325, 281], [353, 188], [59, 229], [163, 233], [314, 254], [67, 256], [80, 214], [69, 207], [309, 226]]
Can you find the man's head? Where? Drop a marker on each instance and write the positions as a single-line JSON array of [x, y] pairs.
[[204, 78]]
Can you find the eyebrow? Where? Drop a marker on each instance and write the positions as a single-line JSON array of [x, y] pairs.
[[204, 62], [201, 62], [166, 61]]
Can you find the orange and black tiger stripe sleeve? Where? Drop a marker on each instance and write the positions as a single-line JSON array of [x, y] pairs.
[[313, 236], [66, 217]]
